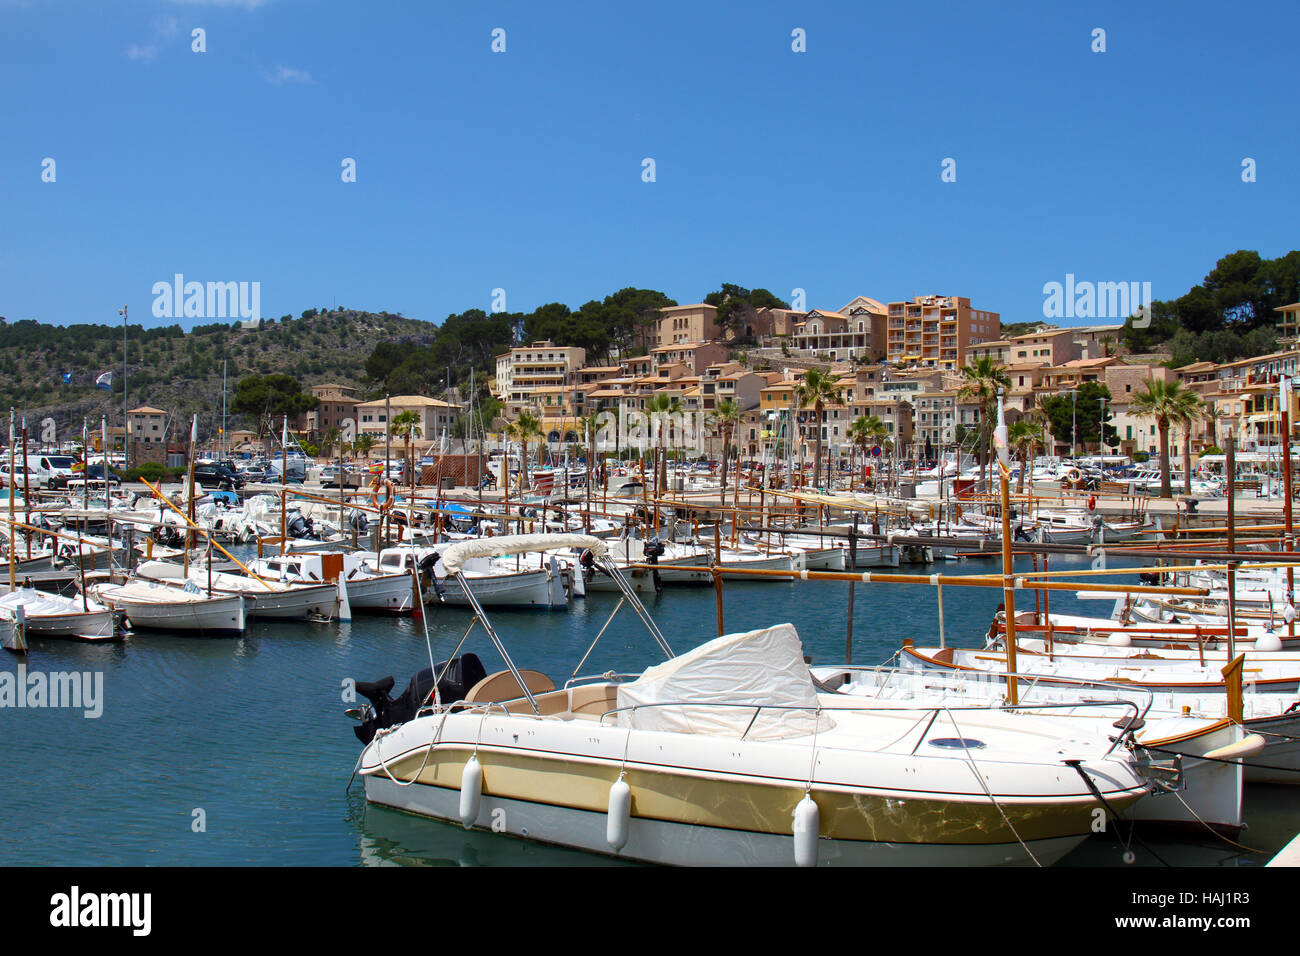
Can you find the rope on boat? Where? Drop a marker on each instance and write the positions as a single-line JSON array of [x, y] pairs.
[[1132, 827], [976, 770], [1221, 836]]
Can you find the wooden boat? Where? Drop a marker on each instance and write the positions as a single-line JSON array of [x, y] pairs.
[[149, 605]]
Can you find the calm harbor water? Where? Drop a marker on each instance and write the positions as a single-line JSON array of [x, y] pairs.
[[236, 751]]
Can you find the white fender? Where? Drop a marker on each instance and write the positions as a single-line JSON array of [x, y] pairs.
[[1119, 639], [807, 826], [471, 791], [345, 607], [618, 823], [1268, 641], [1247, 746]]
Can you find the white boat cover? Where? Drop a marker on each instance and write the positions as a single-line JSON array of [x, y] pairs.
[[757, 667], [40, 603], [459, 553]]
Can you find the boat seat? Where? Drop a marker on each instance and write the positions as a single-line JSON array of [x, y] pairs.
[[502, 686], [593, 699]]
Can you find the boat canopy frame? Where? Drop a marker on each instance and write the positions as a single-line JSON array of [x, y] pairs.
[[453, 559]]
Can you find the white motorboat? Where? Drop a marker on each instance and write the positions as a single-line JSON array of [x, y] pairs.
[[729, 755]]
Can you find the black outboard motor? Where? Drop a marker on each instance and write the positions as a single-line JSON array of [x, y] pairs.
[[426, 566], [301, 527], [654, 550], [384, 711], [359, 523]]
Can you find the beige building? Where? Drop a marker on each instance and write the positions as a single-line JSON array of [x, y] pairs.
[[697, 356], [435, 416], [147, 435], [528, 367], [934, 331], [681, 324], [838, 336], [335, 404]]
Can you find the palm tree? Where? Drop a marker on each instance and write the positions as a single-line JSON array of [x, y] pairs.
[[406, 426], [1166, 402], [724, 420], [523, 429], [362, 444], [983, 379], [1022, 436], [328, 440], [658, 406], [865, 433], [1194, 411], [675, 426], [818, 390]]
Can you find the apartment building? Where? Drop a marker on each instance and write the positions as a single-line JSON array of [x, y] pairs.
[[838, 336], [335, 405], [696, 356], [935, 331], [680, 324], [528, 367], [435, 416]]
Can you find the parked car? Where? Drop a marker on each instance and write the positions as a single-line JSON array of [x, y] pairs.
[[93, 474], [217, 476], [329, 477]]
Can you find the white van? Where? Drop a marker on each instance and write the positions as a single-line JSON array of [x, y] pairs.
[[50, 471]]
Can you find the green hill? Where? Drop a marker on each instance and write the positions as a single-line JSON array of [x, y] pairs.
[[181, 371]]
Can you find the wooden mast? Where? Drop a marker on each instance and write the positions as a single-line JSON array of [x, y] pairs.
[[1001, 445]]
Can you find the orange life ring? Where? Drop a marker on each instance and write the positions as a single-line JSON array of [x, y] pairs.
[[389, 494]]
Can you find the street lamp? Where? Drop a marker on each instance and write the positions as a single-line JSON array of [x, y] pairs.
[[1074, 423], [1101, 429]]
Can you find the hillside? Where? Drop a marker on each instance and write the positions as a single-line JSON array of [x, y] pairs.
[[181, 371]]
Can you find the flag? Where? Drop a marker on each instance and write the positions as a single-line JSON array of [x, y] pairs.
[[67, 378], [105, 382], [194, 432], [284, 433]]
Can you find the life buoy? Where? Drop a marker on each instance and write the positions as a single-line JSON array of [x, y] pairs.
[[1092, 502], [1073, 474], [389, 494]]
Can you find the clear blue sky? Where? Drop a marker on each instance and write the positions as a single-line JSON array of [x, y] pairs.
[[523, 170]]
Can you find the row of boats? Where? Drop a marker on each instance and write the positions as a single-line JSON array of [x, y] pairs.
[[739, 752]]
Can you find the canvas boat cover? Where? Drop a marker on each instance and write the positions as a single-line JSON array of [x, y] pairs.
[[459, 553], [764, 667]]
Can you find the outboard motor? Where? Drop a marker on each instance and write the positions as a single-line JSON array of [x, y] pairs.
[[359, 523], [654, 550], [300, 527], [385, 711]]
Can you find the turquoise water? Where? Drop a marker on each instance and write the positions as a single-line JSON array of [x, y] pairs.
[[248, 735]]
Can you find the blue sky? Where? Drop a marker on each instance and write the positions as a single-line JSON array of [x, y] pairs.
[[522, 170]]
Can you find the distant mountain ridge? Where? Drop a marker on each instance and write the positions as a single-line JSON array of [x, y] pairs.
[[180, 371]]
